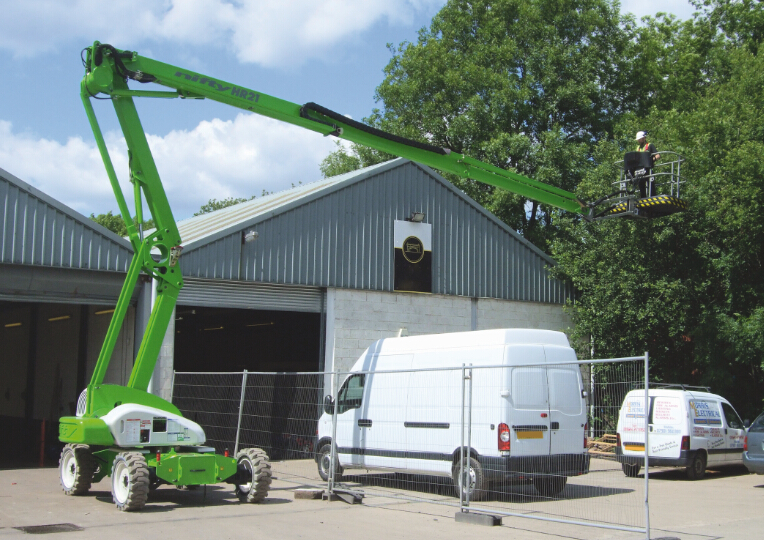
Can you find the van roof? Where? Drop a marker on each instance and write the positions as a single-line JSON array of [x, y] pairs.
[[664, 392], [454, 340]]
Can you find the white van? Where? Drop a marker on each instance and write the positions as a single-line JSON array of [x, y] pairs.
[[528, 421], [687, 428]]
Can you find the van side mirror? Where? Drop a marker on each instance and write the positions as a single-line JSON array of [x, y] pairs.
[[329, 405], [746, 423], [584, 394]]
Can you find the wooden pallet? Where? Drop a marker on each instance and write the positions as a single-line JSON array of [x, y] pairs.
[[604, 446]]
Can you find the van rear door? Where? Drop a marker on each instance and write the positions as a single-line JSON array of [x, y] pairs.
[[665, 423], [528, 412], [567, 416]]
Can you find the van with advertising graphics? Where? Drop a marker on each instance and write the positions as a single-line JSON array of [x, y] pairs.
[[687, 427], [400, 409]]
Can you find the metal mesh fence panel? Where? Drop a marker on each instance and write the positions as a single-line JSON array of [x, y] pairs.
[[212, 401], [535, 440], [559, 461]]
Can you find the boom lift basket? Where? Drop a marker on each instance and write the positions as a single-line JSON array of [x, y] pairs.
[[662, 182]]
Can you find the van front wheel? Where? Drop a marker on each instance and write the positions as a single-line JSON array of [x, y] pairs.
[[696, 470], [325, 464], [470, 479]]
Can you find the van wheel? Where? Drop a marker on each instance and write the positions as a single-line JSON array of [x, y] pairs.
[[696, 470], [632, 471], [325, 464], [549, 486], [476, 483]]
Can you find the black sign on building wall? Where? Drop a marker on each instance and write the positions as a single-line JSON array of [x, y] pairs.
[[413, 257]]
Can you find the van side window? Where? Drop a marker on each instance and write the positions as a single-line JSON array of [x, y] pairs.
[[351, 394], [733, 420]]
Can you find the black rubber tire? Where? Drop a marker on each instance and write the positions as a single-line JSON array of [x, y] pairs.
[[478, 484], [632, 471], [696, 470], [129, 481], [324, 463], [256, 463], [549, 486], [76, 468]]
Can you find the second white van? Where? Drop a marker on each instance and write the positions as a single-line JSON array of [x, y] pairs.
[[688, 427], [399, 410]]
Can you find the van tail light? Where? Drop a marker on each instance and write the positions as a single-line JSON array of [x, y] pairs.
[[504, 437], [745, 444], [618, 440], [685, 443], [586, 430]]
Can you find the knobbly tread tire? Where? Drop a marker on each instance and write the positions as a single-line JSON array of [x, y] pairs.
[[261, 475], [85, 465], [138, 473]]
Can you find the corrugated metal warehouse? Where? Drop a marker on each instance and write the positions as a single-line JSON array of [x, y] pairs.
[[301, 280]]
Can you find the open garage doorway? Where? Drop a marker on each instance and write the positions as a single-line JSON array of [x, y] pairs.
[[281, 407], [210, 339]]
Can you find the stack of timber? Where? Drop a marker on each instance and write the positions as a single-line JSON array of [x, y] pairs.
[[603, 446]]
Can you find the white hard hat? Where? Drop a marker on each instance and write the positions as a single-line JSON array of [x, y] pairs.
[[640, 135]]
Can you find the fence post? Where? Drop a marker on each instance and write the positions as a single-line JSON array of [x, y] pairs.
[[460, 480], [647, 444], [333, 455], [241, 410], [469, 439]]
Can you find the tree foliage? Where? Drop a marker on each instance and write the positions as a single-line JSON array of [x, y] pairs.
[[556, 89], [116, 224], [214, 204]]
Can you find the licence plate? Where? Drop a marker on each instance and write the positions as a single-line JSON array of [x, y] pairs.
[[530, 434]]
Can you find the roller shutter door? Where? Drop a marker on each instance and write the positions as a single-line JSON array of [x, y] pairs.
[[249, 295]]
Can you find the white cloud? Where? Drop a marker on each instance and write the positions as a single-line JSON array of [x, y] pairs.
[[217, 159], [640, 8], [258, 31]]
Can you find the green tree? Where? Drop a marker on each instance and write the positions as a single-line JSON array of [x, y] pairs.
[[523, 85], [116, 224], [214, 204], [688, 288], [342, 160]]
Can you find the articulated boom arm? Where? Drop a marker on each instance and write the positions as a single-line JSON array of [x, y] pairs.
[[107, 73]]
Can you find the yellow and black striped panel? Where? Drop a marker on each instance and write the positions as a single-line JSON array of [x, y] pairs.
[[660, 205], [656, 206]]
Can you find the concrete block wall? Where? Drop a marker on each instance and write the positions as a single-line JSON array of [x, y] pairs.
[[356, 318], [492, 313]]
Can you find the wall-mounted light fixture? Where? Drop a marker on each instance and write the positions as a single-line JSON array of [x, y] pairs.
[[262, 324], [216, 328], [61, 318], [249, 236], [13, 325], [416, 217], [104, 312]]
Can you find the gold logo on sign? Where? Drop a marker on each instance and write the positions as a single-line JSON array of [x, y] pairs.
[[413, 249]]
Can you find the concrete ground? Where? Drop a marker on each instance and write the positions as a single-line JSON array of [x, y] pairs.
[[726, 504]]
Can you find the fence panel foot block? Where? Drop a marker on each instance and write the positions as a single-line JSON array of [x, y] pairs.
[[478, 519]]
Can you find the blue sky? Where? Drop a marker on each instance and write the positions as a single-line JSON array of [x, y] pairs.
[[331, 52]]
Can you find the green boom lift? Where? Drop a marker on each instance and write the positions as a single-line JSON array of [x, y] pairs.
[[139, 439]]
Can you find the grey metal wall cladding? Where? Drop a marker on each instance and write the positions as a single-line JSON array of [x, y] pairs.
[[345, 240], [34, 232], [243, 295]]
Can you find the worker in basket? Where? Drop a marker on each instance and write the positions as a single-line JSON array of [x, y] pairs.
[[646, 177]]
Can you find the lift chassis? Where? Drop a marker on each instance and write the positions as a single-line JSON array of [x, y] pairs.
[[125, 432]]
